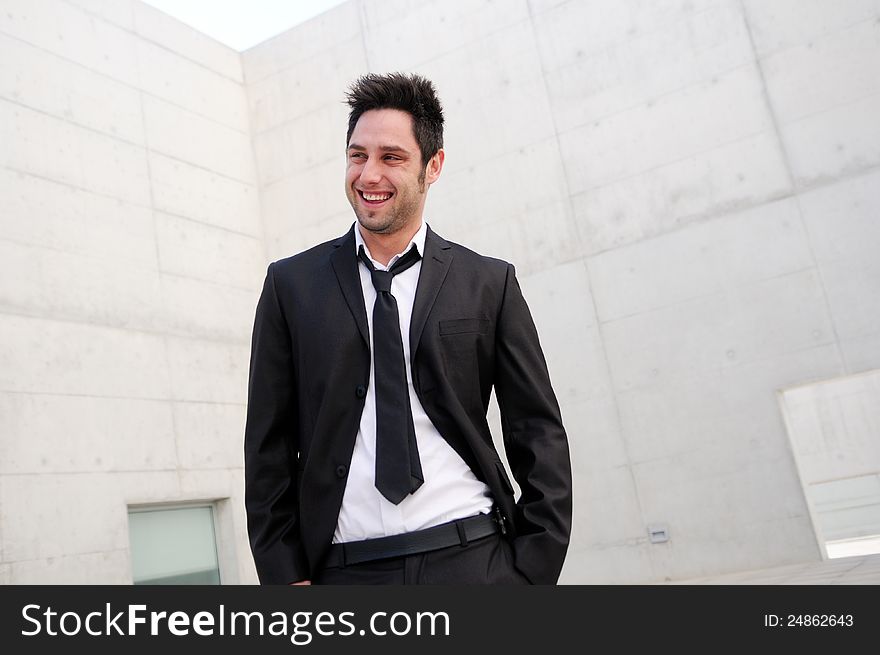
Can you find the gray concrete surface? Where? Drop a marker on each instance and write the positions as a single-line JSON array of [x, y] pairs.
[[689, 191]]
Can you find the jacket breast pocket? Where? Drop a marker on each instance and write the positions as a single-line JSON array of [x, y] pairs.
[[464, 326], [465, 345]]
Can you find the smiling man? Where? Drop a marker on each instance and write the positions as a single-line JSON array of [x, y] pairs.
[[368, 456]]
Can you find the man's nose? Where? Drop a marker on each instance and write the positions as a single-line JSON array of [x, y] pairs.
[[371, 172]]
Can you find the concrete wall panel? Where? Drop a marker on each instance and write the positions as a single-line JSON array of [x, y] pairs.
[[209, 435], [297, 237], [50, 529], [105, 567], [70, 91], [479, 83], [73, 34], [844, 232], [677, 126], [396, 37], [56, 216], [829, 71], [57, 356], [784, 24], [712, 183], [562, 308], [46, 433], [192, 249], [172, 77], [49, 147], [306, 199], [190, 191], [294, 148], [611, 507], [59, 285], [194, 308], [208, 371], [586, 83], [536, 240], [624, 563], [296, 91], [337, 25], [132, 250], [705, 258], [209, 145], [118, 12], [836, 143], [658, 347], [157, 27], [516, 183]]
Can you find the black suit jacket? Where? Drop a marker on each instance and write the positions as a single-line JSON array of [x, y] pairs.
[[470, 330]]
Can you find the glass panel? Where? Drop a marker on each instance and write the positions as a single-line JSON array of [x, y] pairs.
[[833, 427], [173, 546]]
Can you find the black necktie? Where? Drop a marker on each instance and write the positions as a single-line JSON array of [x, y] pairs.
[[398, 468]]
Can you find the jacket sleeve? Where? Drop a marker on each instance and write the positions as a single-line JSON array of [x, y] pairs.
[[271, 445], [534, 440]]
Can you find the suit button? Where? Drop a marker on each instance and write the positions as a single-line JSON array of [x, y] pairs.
[[341, 470], [361, 391]]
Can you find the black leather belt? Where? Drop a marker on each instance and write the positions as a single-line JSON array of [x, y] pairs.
[[454, 533]]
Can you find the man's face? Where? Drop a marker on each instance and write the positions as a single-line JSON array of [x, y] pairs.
[[385, 181]]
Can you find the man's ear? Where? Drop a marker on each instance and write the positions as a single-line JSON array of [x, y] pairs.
[[435, 165]]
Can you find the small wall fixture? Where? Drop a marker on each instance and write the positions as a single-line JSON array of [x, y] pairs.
[[658, 533]]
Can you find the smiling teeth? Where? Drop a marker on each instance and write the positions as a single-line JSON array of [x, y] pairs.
[[376, 196]]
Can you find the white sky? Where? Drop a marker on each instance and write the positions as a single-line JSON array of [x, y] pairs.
[[242, 24]]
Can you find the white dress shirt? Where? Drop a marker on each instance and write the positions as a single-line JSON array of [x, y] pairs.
[[450, 490]]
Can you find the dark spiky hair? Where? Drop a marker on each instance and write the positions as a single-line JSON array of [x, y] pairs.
[[406, 92]]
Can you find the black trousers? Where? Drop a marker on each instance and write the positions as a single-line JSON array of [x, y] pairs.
[[484, 561]]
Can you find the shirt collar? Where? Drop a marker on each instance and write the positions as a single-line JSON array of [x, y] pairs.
[[417, 242]]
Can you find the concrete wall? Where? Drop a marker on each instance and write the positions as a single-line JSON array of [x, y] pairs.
[[689, 191], [131, 255]]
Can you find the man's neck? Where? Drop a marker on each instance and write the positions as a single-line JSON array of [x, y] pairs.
[[384, 246]]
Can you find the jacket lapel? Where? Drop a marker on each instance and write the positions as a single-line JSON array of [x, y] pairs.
[[345, 265], [435, 266]]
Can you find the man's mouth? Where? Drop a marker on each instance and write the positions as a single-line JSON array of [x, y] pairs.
[[375, 198]]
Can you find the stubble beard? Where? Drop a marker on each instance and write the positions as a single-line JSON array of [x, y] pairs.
[[398, 217]]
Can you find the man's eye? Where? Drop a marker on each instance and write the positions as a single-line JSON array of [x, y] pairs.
[[358, 155]]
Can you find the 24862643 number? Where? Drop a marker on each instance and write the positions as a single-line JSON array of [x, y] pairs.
[[819, 620]]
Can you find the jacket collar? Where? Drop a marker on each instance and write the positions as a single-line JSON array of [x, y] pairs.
[[436, 259]]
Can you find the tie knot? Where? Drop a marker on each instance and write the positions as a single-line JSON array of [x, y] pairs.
[[382, 279]]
